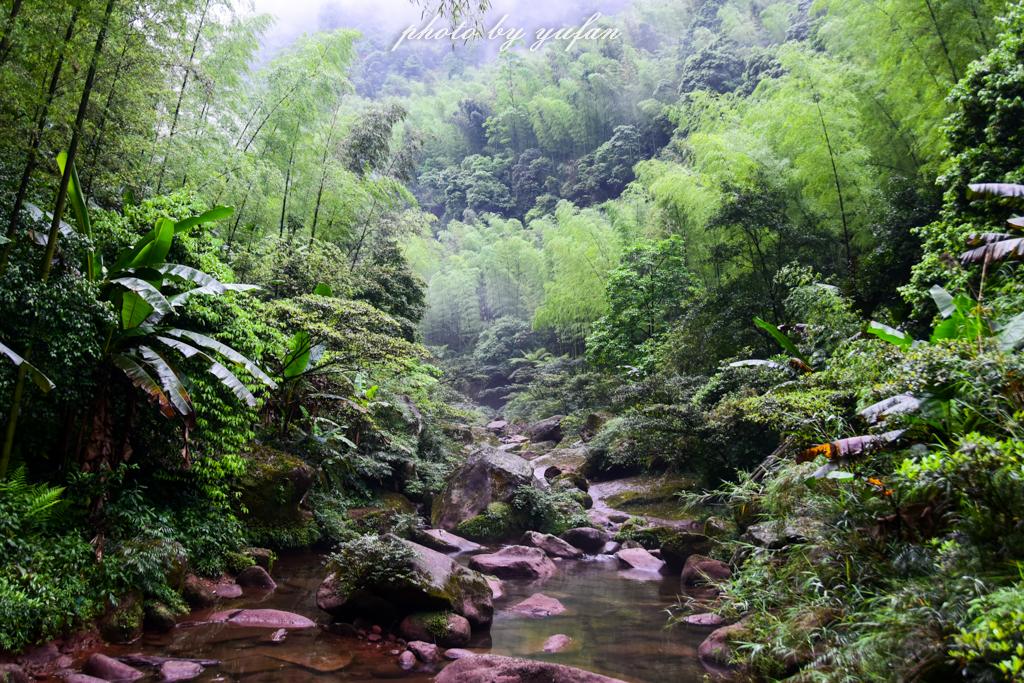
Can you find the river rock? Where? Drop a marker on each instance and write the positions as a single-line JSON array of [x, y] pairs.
[[557, 643], [407, 660], [539, 606], [773, 535], [428, 653], [677, 546], [497, 426], [497, 588], [109, 669], [454, 653], [227, 590], [263, 557], [438, 584], [262, 618], [553, 546], [700, 570], [445, 541], [587, 539], [198, 593], [12, 673], [548, 429], [488, 476], [515, 562], [611, 547], [704, 619], [443, 628], [495, 669], [178, 670], [255, 577], [715, 651], [638, 558]]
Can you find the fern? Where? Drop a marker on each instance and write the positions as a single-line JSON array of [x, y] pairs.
[[37, 503]]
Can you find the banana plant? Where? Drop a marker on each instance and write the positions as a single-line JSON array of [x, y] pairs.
[[147, 291], [797, 360]]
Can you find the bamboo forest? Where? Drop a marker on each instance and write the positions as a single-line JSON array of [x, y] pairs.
[[498, 341]]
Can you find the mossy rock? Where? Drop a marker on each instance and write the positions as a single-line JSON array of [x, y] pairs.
[[272, 491], [497, 523], [123, 622], [489, 476]]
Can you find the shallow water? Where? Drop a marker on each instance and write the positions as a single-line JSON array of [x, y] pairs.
[[617, 624]]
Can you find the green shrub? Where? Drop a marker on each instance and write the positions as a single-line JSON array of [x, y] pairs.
[[371, 562]]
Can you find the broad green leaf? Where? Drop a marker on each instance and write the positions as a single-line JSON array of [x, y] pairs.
[[323, 290], [217, 213], [190, 274], [889, 334], [297, 360], [172, 386], [146, 291], [1012, 333], [149, 251], [214, 290], [229, 380], [134, 310], [80, 208], [781, 338], [944, 300], [841, 475], [226, 351], [226, 377], [42, 381], [142, 379]]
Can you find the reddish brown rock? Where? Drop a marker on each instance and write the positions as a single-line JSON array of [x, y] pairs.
[[458, 653], [700, 570], [557, 643], [255, 577], [263, 618], [177, 670], [539, 606], [495, 669], [553, 546], [428, 653], [407, 660], [704, 619], [587, 539], [424, 626], [515, 562], [109, 669], [640, 559]]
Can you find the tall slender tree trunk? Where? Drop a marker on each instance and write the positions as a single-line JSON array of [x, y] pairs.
[[839, 192], [181, 95], [52, 237], [8, 37], [238, 216], [37, 139], [288, 180], [323, 172], [942, 41], [97, 141]]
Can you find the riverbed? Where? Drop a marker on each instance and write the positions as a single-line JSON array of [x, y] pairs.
[[616, 619]]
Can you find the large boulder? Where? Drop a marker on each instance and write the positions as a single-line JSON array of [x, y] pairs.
[[273, 489], [549, 429], [109, 669], [262, 618], [715, 651], [515, 562], [587, 539], [488, 476], [677, 545], [495, 669], [436, 583], [539, 606], [553, 546]]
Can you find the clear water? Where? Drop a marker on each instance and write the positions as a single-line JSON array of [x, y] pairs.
[[617, 624]]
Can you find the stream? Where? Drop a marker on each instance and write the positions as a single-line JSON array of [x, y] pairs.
[[617, 624]]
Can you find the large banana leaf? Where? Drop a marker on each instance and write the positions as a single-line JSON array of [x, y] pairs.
[[224, 350], [190, 274], [1009, 193], [1012, 333], [133, 313], [217, 213], [781, 338], [142, 379], [219, 288], [889, 334], [226, 377], [151, 249], [81, 210], [995, 246], [298, 358], [169, 380], [42, 381]]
